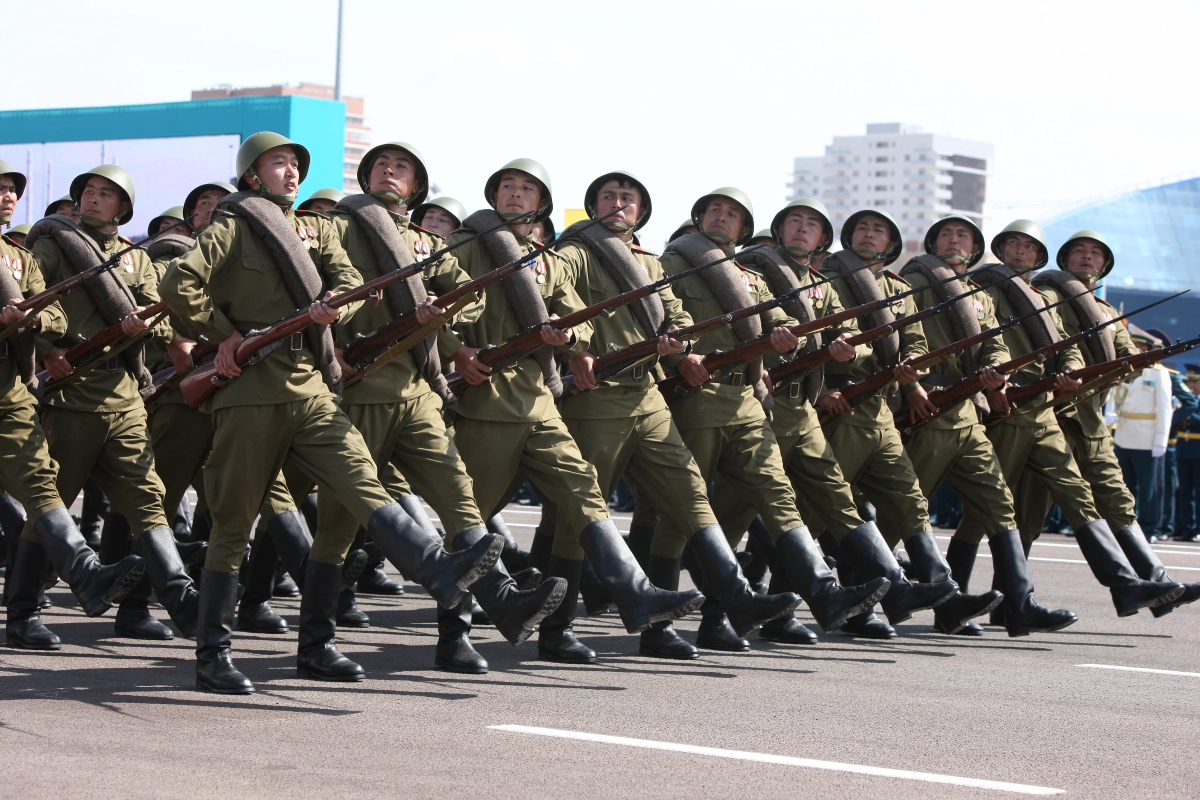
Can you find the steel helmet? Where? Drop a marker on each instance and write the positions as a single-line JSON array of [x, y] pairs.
[[66, 198], [893, 251], [336, 195], [589, 197], [445, 203], [803, 202], [364, 170], [112, 172], [259, 143], [1109, 260], [172, 214], [189, 204], [729, 193], [20, 230], [680, 231], [18, 177], [976, 234], [1027, 227], [529, 167]]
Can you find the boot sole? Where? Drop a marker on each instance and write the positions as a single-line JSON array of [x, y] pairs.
[[312, 675], [119, 590], [863, 607], [17, 644], [484, 565], [545, 656], [204, 687], [553, 600], [906, 614], [352, 571], [1051, 629], [449, 666], [689, 656], [353, 624], [1161, 600], [129, 633], [706, 645], [742, 629], [962, 623]]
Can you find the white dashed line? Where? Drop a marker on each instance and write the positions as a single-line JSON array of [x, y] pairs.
[[1142, 669]]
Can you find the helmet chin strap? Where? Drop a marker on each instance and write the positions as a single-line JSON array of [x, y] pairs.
[[955, 259], [717, 237], [93, 222], [618, 227], [284, 200], [799, 253]]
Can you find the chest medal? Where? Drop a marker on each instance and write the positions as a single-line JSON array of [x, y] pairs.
[[127, 262], [539, 268], [979, 310]]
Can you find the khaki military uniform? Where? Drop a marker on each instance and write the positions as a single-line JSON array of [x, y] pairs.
[[1089, 439], [622, 426], [509, 423], [279, 408], [954, 447], [27, 471], [394, 408], [98, 425], [822, 494], [866, 443], [723, 423], [1033, 442]]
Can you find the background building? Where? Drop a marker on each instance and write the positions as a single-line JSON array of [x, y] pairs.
[[1155, 237], [916, 177]]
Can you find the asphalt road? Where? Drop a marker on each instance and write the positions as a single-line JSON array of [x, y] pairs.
[[108, 717]]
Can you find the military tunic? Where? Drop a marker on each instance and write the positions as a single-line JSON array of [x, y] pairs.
[[723, 423], [1089, 439], [866, 443], [27, 471], [279, 408], [622, 426], [509, 423], [954, 446], [823, 497], [98, 424]]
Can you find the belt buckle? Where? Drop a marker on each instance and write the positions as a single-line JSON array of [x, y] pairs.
[[297, 342], [794, 390], [737, 378], [3, 349], [638, 372], [111, 364]]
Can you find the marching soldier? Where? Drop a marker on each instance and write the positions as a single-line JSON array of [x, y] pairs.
[[28, 472], [441, 215], [864, 438], [801, 231], [252, 266], [1083, 260], [17, 233], [1031, 442], [96, 424], [64, 207], [954, 447], [506, 422], [1187, 453]]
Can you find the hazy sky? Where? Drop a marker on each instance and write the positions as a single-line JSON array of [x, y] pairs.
[[1079, 99]]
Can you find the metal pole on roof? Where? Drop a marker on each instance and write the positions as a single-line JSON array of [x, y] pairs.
[[337, 81]]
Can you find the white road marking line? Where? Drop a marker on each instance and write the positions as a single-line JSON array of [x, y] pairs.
[[982, 554], [1142, 669], [834, 766]]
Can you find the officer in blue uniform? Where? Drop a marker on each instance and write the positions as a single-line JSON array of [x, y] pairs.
[[1187, 458]]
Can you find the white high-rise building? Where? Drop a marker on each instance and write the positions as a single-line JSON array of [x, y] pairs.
[[916, 177]]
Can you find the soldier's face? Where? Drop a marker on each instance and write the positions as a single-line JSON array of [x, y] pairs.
[[393, 171], [8, 196], [1022, 251], [321, 206], [803, 231], [518, 194], [955, 244], [614, 195], [439, 221], [102, 199], [1193, 386], [1085, 260], [205, 205], [67, 209], [279, 171], [871, 235], [723, 220]]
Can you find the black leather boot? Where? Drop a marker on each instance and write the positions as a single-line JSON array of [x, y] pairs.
[[201, 526], [961, 557], [1149, 567], [931, 567], [134, 620], [596, 598], [1112, 569], [869, 556], [764, 555], [349, 615], [515, 613], [454, 652], [288, 533], [258, 576], [638, 601], [715, 632], [1023, 614], [639, 539], [97, 588], [419, 555], [91, 520], [215, 671], [786, 629], [660, 640], [171, 583], [192, 554], [317, 656], [556, 636], [746, 611], [515, 559], [23, 583], [831, 604]]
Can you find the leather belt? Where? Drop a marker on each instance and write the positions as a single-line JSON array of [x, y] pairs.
[[734, 378], [1135, 415], [3, 350], [1189, 437], [938, 380]]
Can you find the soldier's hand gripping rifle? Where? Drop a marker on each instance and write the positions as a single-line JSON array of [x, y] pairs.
[[530, 341], [199, 384], [619, 361], [167, 379], [33, 305], [946, 399], [367, 353], [856, 393], [90, 353]]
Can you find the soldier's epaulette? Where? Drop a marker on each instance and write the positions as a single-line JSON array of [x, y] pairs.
[[124, 239], [895, 276], [814, 271], [637, 248], [12, 243], [1172, 371], [308, 212]]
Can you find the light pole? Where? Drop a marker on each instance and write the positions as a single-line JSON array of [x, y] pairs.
[[337, 80]]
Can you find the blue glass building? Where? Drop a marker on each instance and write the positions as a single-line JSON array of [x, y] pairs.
[[1155, 237]]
